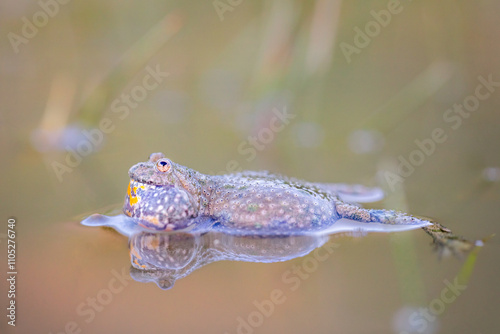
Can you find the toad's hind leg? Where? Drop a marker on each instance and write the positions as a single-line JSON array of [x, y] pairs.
[[444, 239], [389, 217]]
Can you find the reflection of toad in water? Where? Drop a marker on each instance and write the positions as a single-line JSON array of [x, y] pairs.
[[164, 258]]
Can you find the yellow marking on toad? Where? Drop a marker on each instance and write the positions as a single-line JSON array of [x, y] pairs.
[[152, 219], [133, 199], [139, 265], [134, 252]]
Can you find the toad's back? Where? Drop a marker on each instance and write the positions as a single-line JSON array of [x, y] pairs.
[[261, 200]]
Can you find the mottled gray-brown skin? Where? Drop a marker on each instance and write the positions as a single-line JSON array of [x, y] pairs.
[[166, 196]]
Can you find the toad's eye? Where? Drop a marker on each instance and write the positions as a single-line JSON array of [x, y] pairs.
[[163, 165]]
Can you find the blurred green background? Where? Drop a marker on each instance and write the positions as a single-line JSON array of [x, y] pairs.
[[231, 64]]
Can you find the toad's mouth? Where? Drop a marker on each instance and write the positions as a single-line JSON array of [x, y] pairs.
[[147, 181]]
